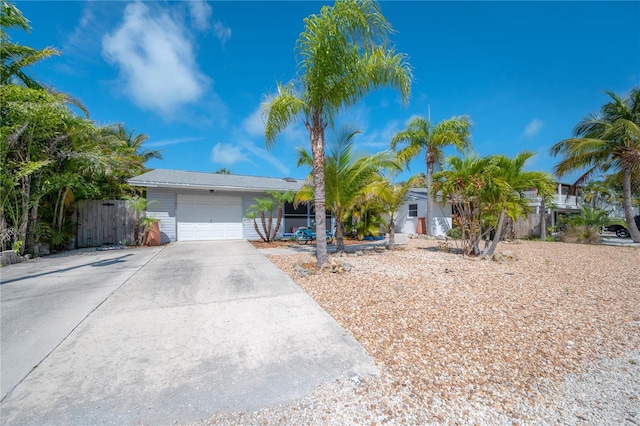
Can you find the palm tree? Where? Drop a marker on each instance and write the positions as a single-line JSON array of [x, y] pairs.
[[391, 196], [345, 177], [463, 183], [343, 55], [223, 171], [607, 141], [266, 205], [506, 194], [16, 58], [421, 135]]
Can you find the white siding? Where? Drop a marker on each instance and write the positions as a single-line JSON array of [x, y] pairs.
[[404, 223], [249, 229], [409, 225], [441, 218], [162, 205]]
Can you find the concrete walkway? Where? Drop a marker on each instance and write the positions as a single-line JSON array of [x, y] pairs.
[[201, 328]]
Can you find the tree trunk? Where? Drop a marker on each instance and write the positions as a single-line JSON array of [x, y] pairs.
[[270, 232], [24, 218], [317, 150], [392, 234], [255, 225], [339, 232], [278, 221], [543, 221], [429, 215], [497, 236], [626, 201], [264, 226], [61, 211]]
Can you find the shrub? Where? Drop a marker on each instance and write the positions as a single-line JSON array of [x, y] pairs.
[[581, 234], [454, 233]]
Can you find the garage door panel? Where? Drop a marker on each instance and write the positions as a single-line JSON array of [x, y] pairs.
[[209, 217]]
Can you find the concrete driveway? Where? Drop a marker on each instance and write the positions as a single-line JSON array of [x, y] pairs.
[[193, 329]]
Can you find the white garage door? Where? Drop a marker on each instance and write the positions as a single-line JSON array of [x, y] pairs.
[[209, 217]]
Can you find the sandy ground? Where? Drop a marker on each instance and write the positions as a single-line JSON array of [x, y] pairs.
[[549, 335]]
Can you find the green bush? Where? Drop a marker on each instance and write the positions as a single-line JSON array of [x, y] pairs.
[[455, 233], [581, 234]]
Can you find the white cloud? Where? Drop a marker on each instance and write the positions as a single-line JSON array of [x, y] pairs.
[[85, 38], [264, 155], [380, 139], [174, 141], [200, 13], [155, 56], [228, 154], [222, 31], [244, 150], [533, 128], [254, 124]]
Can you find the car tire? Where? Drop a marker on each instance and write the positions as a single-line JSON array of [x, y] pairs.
[[622, 233]]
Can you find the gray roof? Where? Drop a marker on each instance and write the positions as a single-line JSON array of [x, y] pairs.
[[163, 178]]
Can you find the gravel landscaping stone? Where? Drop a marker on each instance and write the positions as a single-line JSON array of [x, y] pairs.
[[549, 334]]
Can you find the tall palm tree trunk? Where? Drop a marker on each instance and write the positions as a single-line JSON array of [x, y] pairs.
[[339, 232], [543, 221], [392, 234], [317, 151], [626, 202], [429, 216]]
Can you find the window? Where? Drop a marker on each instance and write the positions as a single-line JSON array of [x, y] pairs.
[[413, 210]]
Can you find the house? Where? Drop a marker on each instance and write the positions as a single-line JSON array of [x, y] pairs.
[[194, 206], [566, 201], [410, 218]]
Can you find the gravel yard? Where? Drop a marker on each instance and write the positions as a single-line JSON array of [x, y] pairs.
[[551, 336]]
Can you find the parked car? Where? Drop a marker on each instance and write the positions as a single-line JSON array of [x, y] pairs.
[[621, 230]]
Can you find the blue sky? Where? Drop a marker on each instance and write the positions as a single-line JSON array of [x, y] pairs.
[[192, 75]]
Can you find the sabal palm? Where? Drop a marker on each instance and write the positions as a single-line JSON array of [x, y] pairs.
[[342, 56], [345, 177], [607, 141], [420, 136]]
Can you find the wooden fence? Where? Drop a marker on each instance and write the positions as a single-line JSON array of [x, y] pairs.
[[103, 222], [529, 226]]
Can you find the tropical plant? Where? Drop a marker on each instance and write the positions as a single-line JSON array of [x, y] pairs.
[[343, 55], [264, 207], [506, 195], [580, 234], [391, 197], [147, 225], [16, 58], [598, 193], [421, 135], [49, 155], [139, 205], [346, 177], [607, 141], [462, 182], [223, 171], [484, 192]]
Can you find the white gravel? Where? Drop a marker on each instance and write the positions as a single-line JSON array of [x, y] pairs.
[[549, 337]]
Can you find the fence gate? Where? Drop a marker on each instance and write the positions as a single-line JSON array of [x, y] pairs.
[[103, 222]]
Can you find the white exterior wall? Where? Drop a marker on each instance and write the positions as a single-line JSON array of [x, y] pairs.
[[409, 225], [162, 205], [165, 207], [442, 221], [248, 226], [404, 223]]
